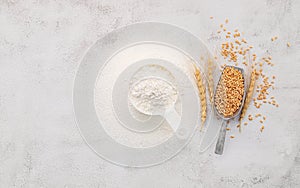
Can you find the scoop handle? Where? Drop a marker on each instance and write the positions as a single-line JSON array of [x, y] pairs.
[[221, 139], [172, 117]]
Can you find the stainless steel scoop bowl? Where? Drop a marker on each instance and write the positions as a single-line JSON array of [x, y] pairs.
[[222, 133]]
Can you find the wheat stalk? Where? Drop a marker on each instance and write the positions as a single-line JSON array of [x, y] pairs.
[[202, 95], [249, 95], [210, 69]]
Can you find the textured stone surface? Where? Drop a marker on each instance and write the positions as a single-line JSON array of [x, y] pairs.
[[41, 44]]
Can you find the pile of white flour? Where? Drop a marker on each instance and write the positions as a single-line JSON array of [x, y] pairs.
[[152, 95]]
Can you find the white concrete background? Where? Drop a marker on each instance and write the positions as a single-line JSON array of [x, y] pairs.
[[41, 44]]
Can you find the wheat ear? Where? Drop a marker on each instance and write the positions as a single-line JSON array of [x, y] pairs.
[[249, 95], [210, 69], [202, 95]]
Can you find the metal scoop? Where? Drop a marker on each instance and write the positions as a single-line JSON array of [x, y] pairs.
[[222, 134]]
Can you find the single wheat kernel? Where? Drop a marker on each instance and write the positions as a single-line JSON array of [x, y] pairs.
[[288, 44], [274, 38], [238, 42], [231, 136], [244, 40]]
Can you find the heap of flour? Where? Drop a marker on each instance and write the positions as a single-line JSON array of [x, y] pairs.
[[152, 95]]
